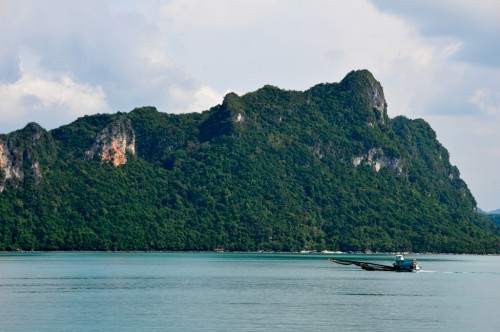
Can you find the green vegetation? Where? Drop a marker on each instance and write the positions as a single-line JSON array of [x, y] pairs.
[[270, 170], [494, 217]]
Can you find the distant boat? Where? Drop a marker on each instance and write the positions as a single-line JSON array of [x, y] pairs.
[[400, 264]]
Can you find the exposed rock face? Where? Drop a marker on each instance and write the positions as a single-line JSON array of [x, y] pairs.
[[362, 81], [377, 159], [239, 118], [225, 119], [8, 171], [233, 107], [18, 159], [113, 142], [377, 100]]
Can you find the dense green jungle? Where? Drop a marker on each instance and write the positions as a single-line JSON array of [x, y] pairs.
[[277, 170]]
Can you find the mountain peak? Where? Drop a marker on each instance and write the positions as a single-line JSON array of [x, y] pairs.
[[33, 130], [33, 126], [364, 83]]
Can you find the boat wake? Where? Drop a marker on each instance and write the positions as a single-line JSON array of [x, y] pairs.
[[458, 272]]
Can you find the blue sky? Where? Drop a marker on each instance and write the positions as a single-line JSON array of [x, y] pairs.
[[439, 61]]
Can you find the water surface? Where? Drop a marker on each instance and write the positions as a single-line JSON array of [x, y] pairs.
[[243, 292]]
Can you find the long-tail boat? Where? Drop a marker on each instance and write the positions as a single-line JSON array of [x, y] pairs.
[[400, 264]]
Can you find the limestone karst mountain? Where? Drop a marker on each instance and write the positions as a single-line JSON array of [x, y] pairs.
[[283, 170]]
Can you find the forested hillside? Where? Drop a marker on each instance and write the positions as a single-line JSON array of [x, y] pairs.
[[270, 170], [494, 217]]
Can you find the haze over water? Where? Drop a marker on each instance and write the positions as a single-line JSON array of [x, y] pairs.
[[243, 292]]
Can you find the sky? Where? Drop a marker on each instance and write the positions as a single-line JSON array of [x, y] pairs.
[[436, 60]]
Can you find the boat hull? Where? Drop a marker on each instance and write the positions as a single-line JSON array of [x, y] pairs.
[[375, 267]]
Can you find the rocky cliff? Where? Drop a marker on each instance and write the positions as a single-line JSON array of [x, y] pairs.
[[114, 142], [19, 157]]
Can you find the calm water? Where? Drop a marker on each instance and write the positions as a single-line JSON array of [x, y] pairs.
[[243, 292]]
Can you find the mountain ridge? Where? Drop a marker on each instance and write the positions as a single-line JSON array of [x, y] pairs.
[[273, 169]]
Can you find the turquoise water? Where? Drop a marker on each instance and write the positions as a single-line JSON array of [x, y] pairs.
[[243, 292]]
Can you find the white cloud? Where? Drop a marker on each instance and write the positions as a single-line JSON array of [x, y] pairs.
[[112, 60], [487, 101], [295, 45], [482, 12], [473, 145], [218, 15], [190, 101], [475, 23], [48, 100], [194, 46]]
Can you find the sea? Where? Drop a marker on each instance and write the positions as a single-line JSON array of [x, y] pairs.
[[244, 292]]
